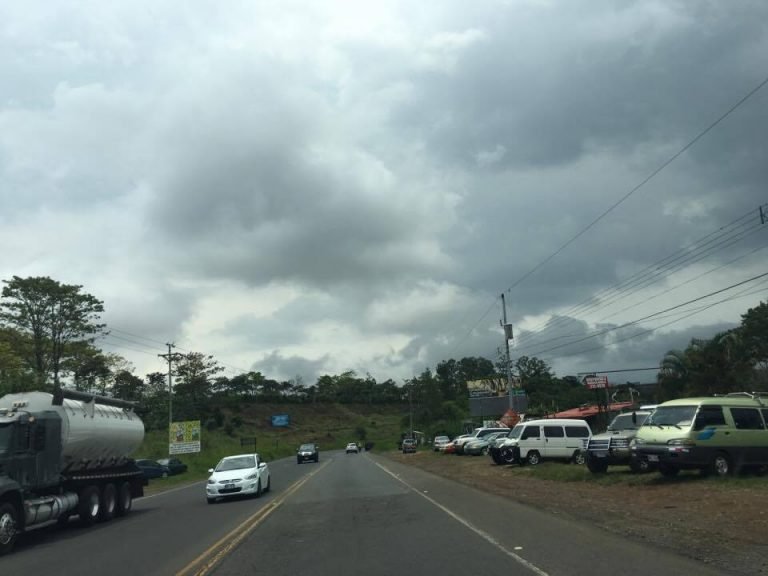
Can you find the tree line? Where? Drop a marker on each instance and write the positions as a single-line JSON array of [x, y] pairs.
[[49, 331]]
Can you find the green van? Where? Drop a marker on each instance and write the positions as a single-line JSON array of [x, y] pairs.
[[719, 434]]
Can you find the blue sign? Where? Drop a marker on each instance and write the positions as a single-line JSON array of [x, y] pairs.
[[281, 420]]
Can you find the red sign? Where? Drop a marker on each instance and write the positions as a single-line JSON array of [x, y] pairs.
[[596, 382]]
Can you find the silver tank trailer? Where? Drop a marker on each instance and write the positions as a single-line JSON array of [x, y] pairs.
[[93, 435]]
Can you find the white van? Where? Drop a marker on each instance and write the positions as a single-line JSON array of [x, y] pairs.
[[530, 442]]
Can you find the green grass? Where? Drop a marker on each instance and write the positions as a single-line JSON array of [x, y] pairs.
[[331, 426]]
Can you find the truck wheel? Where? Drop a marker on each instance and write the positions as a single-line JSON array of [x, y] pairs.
[[89, 504], [8, 529], [596, 465], [124, 499], [578, 458], [508, 456], [108, 503], [533, 458]]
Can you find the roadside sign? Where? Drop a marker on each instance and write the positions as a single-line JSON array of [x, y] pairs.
[[596, 382], [184, 437]]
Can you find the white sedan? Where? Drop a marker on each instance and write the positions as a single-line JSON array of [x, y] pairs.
[[234, 475]]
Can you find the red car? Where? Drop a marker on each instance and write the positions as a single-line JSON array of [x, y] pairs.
[[449, 448]]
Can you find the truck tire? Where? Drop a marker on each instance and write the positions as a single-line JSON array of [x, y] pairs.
[[124, 499], [508, 456], [8, 527], [89, 505], [108, 503], [533, 458]]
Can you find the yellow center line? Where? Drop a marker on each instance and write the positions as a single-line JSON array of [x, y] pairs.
[[215, 553]]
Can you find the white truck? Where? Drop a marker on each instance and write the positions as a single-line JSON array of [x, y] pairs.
[[64, 455]]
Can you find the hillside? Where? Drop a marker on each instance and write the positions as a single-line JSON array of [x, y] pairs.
[[329, 425]]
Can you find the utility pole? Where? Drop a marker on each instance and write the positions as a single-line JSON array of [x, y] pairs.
[[410, 403], [170, 357], [507, 337]]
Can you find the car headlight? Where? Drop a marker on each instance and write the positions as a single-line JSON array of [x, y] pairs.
[[681, 442], [211, 481], [252, 476], [637, 441]]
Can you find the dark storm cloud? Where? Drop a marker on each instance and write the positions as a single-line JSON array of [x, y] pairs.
[[277, 366]]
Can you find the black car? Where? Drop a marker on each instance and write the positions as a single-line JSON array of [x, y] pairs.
[[174, 465], [153, 469], [307, 453]]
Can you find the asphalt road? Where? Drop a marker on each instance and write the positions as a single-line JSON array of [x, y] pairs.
[[350, 514]]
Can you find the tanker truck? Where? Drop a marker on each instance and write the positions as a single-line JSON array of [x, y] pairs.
[[62, 455]]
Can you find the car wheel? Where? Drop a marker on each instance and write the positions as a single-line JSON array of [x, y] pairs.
[[484, 451], [258, 488], [668, 471], [533, 458], [596, 465], [8, 529], [639, 465], [298, 461], [269, 484], [579, 458], [721, 465], [211, 500], [508, 456]]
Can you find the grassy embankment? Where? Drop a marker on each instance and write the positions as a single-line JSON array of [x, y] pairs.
[[331, 426]]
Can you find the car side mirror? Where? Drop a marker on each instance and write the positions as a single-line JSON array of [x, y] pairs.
[[210, 470], [262, 464]]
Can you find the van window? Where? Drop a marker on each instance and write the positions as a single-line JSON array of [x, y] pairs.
[[531, 432], [576, 432], [554, 432], [747, 419], [709, 416]]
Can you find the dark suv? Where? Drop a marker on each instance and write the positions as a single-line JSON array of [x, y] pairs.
[[307, 453]]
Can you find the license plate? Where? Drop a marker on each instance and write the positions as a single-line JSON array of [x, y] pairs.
[[228, 486], [653, 458]]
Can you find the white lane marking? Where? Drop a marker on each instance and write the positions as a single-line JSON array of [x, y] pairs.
[[484, 535]]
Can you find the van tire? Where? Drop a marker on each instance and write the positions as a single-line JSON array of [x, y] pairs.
[[579, 458], [533, 458], [721, 465]]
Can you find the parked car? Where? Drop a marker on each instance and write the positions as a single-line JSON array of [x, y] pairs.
[[532, 441], [477, 434], [480, 446], [449, 448], [409, 445], [152, 468], [718, 435], [612, 446], [308, 453], [352, 448], [439, 442], [242, 474], [174, 465]]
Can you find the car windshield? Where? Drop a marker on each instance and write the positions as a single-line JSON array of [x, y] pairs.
[[679, 416], [307, 447], [516, 431], [625, 422], [237, 463], [5, 438]]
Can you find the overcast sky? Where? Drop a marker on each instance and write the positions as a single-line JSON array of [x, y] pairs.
[[304, 188]]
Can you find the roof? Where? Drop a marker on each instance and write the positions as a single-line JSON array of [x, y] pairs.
[[719, 401], [592, 410]]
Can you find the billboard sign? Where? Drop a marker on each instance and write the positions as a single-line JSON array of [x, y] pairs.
[[487, 387], [596, 382], [184, 437], [281, 420]]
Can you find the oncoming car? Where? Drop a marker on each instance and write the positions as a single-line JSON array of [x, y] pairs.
[[244, 474], [352, 448], [308, 453]]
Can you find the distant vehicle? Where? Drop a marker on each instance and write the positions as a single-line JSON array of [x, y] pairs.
[[308, 453], [612, 446], [440, 441], [243, 474], [174, 465], [352, 448], [409, 445], [152, 469], [477, 434], [718, 435], [63, 455], [534, 440]]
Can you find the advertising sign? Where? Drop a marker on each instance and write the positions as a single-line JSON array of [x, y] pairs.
[[281, 420], [596, 382], [184, 437]]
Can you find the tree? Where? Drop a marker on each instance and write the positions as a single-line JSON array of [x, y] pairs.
[[52, 315], [195, 373]]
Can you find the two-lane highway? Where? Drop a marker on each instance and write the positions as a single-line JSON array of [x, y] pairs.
[[350, 514]]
